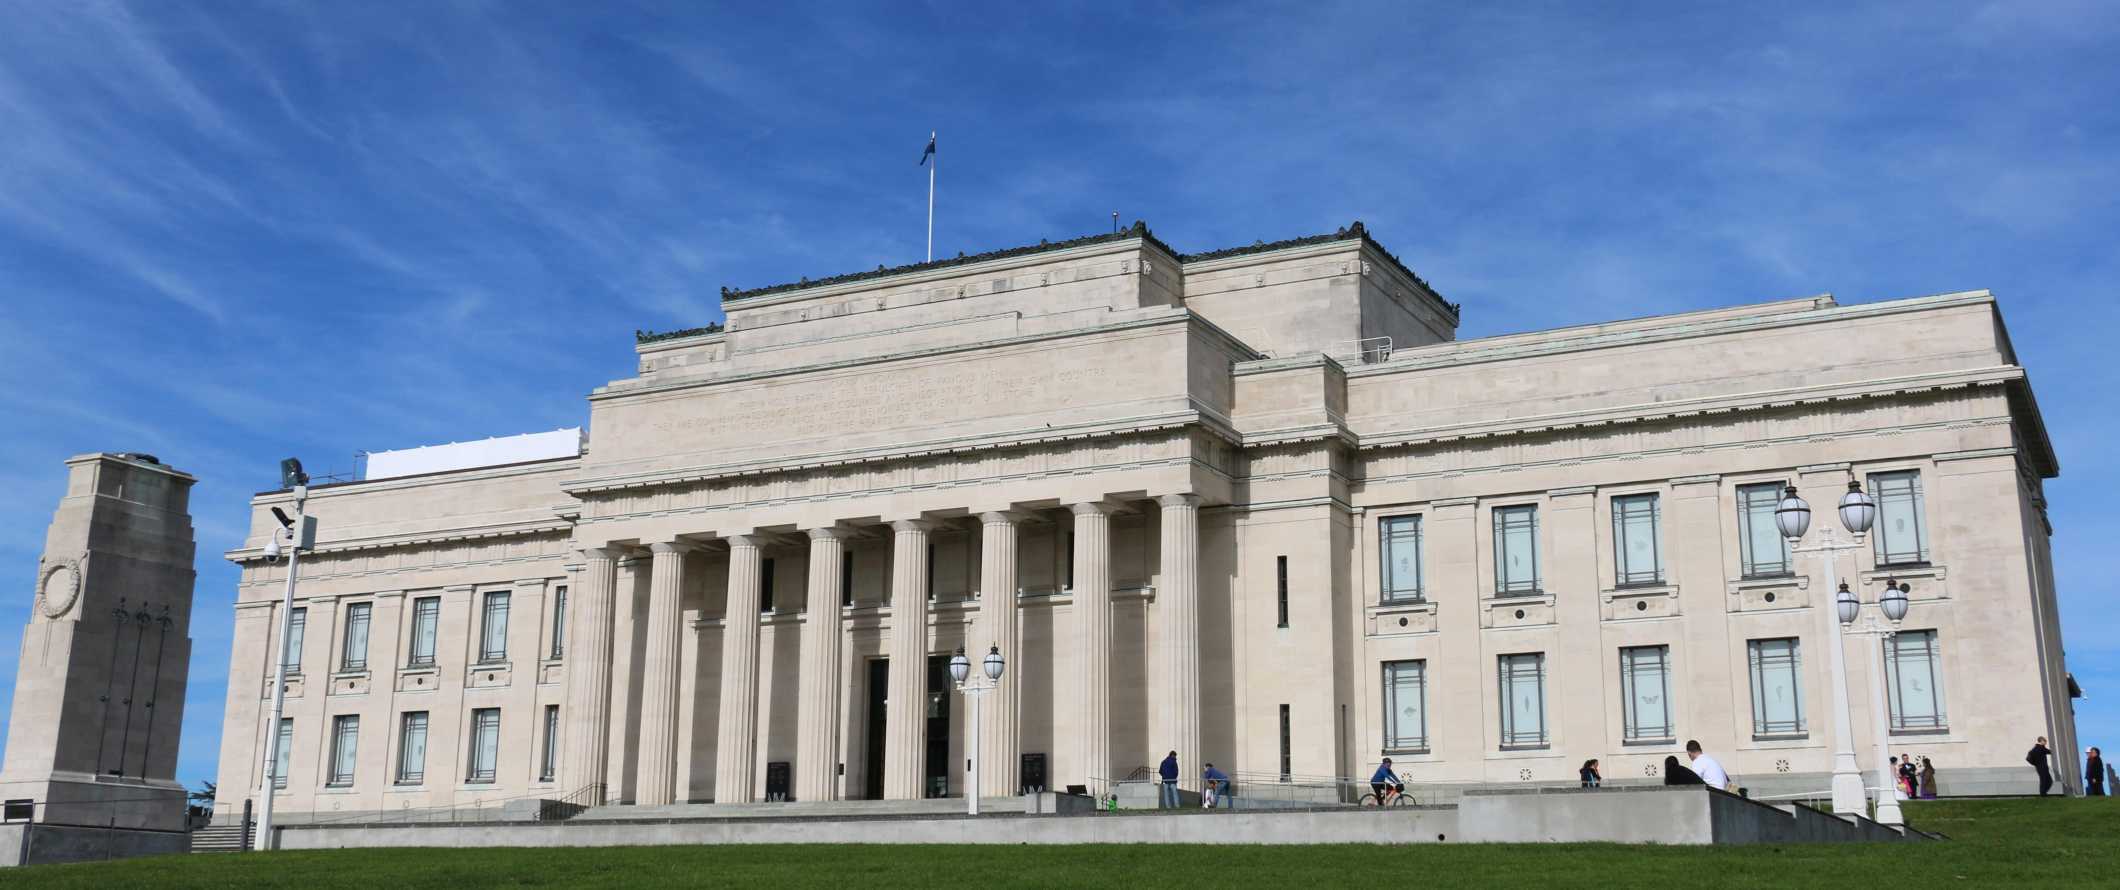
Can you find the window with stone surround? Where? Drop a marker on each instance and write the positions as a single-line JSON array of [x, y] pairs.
[[1645, 694], [1763, 552], [1516, 550], [1523, 692], [1901, 535], [426, 622], [412, 748], [345, 744], [1405, 706], [354, 657], [297, 629], [548, 767], [1399, 546], [559, 621], [1777, 687], [493, 627], [485, 746], [1913, 672], [1637, 552]]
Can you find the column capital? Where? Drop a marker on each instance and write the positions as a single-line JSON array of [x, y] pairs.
[[743, 541], [833, 532], [679, 547], [604, 553], [907, 526], [1088, 507], [1178, 500], [1001, 517]]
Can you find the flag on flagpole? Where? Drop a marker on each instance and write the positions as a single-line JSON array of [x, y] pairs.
[[930, 150]]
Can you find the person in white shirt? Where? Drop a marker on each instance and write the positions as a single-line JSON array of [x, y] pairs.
[[1711, 773]]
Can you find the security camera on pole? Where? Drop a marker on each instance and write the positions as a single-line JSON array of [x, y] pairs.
[[295, 534], [1857, 512], [960, 669]]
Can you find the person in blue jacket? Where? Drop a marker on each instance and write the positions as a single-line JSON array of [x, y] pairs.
[[1168, 772], [1215, 785], [1383, 779]]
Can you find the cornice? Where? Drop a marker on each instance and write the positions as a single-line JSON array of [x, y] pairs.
[[1659, 411], [247, 555], [1138, 232]]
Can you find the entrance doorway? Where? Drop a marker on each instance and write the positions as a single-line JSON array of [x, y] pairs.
[[935, 771]]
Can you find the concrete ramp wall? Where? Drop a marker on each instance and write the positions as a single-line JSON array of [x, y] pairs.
[[1652, 815]]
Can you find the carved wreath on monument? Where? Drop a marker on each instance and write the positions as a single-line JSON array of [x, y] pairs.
[[59, 586]]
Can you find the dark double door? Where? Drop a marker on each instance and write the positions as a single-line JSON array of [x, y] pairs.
[[935, 776]]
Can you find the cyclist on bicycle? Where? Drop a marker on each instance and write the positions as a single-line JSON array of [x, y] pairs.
[[1385, 779]]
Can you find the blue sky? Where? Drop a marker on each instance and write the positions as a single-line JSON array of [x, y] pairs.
[[232, 232]]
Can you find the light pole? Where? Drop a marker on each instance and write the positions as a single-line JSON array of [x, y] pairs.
[[1893, 606], [294, 535], [960, 669], [1857, 512]]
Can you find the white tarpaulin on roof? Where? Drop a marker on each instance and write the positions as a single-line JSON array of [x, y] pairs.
[[469, 455]]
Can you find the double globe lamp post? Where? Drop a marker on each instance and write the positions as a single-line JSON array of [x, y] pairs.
[[960, 670], [1857, 513]]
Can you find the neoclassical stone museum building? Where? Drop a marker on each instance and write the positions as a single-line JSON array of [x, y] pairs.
[[1259, 506]]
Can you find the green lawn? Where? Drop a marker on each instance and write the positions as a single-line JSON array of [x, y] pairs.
[[2047, 843]]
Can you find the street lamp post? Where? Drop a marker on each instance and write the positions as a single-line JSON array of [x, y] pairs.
[[960, 670], [1882, 624], [293, 535], [1857, 512]]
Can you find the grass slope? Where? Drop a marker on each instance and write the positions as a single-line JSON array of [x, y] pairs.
[[2047, 843]]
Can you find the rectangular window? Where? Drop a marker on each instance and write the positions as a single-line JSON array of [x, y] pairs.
[[1516, 550], [1637, 554], [765, 585], [1777, 687], [559, 621], [1399, 542], [1523, 684], [1287, 756], [355, 656], [1645, 694], [1068, 568], [412, 748], [426, 619], [1901, 536], [285, 755], [297, 629], [931, 571], [1762, 549], [548, 768], [485, 745], [846, 577], [1405, 706], [493, 628], [1913, 673], [1281, 585], [345, 740]]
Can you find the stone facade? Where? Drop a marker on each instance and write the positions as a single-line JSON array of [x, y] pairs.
[[99, 695], [1162, 484]]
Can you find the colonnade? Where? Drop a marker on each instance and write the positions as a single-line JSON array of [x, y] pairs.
[[819, 735]]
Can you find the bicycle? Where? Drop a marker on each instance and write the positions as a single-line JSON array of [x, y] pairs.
[[1394, 796]]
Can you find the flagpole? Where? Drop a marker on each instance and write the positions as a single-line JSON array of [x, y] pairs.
[[931, 199]]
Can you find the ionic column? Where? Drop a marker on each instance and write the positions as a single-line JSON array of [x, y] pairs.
[[1093, 609], [736, 751], [657, 779], [1179, 602], [997, 627], [905, 715], [817, 724], [588, 658]]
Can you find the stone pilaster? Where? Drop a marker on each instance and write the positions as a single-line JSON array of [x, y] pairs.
[[736, 751], [905, 714], [656, 782], [1178, 601], [588, 708], [1093, 610], [1000, 743], [817, 725]]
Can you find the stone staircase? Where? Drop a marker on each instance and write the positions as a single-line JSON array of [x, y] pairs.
[[800, 809], [232, 837]]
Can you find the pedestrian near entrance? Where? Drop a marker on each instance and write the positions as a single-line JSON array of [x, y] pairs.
[[1710, 772], [1589, 774], [2094, 774], [1928, 780], [1213, 785], [1168, 772], [2041, 757]]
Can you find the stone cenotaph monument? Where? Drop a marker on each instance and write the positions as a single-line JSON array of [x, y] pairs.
[[99, 696]]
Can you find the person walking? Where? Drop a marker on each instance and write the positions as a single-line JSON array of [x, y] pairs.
[[2093, 774], [1215, 783], [2040, 757], [1589, 774], [1168, 772], [1928, 780], [1710, 772]]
